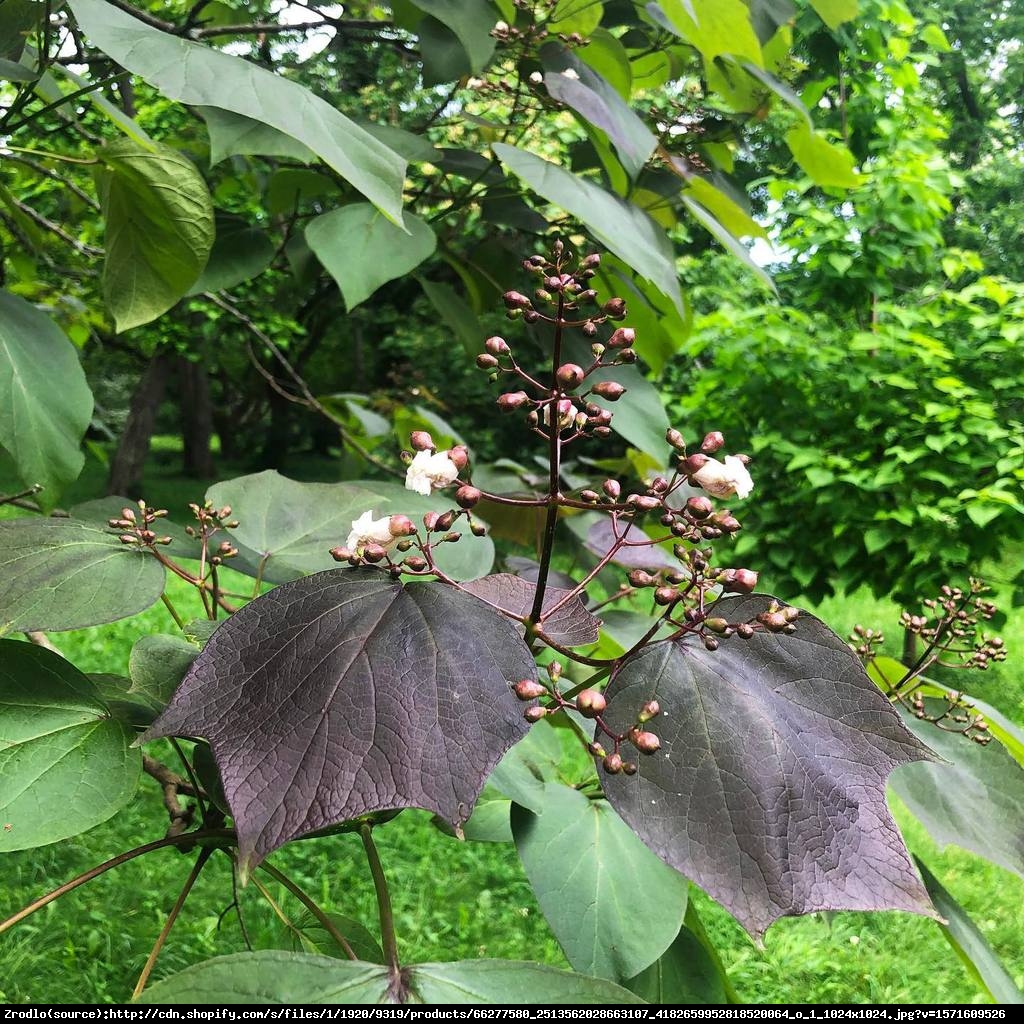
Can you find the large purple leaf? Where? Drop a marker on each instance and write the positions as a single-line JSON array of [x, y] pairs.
[[601, 539], [769, 787], [571, 625], [344, 693]]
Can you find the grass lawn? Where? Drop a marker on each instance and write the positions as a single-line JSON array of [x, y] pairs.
[[457, 900]]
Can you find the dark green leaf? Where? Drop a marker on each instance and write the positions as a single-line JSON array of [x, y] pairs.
[[523, 772], [65, 574], [315, 938], [300, 978], [976, 801], [455, 312], [240, 252], [471, 21], [157, 665], [769, 787], [40, 425], [234, 134], [590, 874], [622, 227], [969, 944], [158, 229], [200, 76], [345, 693], [444, 57], [362, 250], [66, 765]]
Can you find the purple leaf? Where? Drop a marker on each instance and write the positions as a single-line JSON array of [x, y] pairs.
[[345, 693], [601, 539], [571, 626], [769, 787]]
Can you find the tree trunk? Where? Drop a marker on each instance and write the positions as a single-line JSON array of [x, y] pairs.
[[196, 419], [128, 462]]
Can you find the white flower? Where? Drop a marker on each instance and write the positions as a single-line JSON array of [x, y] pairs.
[[536, 77], [367, 530], [427, 472], [571, 73], [567, 413], [501, 26], [474, 83], [724, 479]]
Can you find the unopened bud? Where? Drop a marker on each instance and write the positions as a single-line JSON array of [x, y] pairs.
[[612, 488], [712, 442], [676, 439], [596, 749], [421, 441], [534, 714], [609, 389], [467, 496], [629, 768], [615, 308], [693, 463], [717, 625], [497, 346], [612, 764], [623, 337], [666, 596], [569, 375], [516, 300], [645, 742], [699, 506], [589, 496], [129, 514], [646, 502], [415, 563], [650, 710], [591, 262], [446, 520], [590, 703], [740, 581], [451, 538], [373, 552], [459, 456], [485, 361], [401, 526], [589, 330], [527, 689], [640, 578], [512, 400]]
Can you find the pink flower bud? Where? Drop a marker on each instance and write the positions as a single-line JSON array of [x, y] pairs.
[[459, 456], [527, 689], [430, 521], [712, 442], [590, 703], [612, 488], [742, 581], [699, 506], [516, 300], [485, 361], [615, 308], [612, 764], [609, 389], [676, 439], [467, 496], [497, 346], [622, 338], [512, 400], [341, 554], [645, 742], [569, 375], [401, 526], [373, 552], [421, 441]]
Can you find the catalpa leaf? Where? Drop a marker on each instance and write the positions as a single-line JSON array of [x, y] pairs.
[[345, 693], [769, 787], [570, 625]]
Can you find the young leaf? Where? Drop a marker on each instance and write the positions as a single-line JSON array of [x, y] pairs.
[[66, 764], [362, 250], [344, 693], [470, 21], [975, 800], [715, 27], [40, 425], [826, 164], [624, 228], [769, 787], [969, 944], [835, 12], [301, 978], [66, 574], [571, 626], [198, 75], [613, 905], [158, 229]]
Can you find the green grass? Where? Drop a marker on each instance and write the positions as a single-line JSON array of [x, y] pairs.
[[455, 900]]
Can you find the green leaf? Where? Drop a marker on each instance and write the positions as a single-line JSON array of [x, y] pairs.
[[610, 59], [470, 21], [598, 102], [315, 938], [688, 972], [111, 111], [66, 765], [588, 870], [157, 664], [303, 978], [66, 574], [620, 226], [363, 250], [969, 944], [444, 58], [975, 801], [239, 253], [290, 527], [715, 28], [581, 16], [15, 71], [835, 12], [158, 229], [236, 135], [825, 163], [456, 312], [198, 75], [726, 210], [522, 774], [18, 19], [41, 425]]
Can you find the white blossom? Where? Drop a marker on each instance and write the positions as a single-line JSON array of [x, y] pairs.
[[536, 77], [501, 26], [571, 73], [367, 530], [427, 472], [567, 413], [724, 479]]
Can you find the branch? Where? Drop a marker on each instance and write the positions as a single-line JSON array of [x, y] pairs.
[[171, 785], [56, 229]]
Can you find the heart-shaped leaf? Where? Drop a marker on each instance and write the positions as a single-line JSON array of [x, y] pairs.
[[345, 693], [976, 801], [769, 787], [634, 554], [613, 905], [571, 625], [40, 425], [66, 574], [302, 978], [198, 75], [239, 253], [158, 229], [66, 764], [157, 665]]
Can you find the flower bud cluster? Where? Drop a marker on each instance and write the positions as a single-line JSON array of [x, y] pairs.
[[137, 528]]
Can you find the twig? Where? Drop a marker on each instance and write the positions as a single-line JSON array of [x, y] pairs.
[[171, 784], [56, 229], [40, 639]]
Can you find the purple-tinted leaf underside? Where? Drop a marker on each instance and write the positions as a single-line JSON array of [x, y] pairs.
[[345, 693], [569, 624], [769, 787]]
